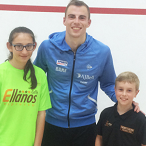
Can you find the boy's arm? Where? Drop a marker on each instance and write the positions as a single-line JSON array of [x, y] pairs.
[[98, 141], [39, 128]]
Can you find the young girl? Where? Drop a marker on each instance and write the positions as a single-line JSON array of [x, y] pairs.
[[24, 94]]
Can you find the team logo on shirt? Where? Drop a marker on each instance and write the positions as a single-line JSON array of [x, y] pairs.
[[15, 95], [61, 62], [85, 77], [60, 69], [89, 66], [126, 129], [108, 124]]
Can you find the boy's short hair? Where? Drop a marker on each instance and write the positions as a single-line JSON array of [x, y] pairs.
[[129, 77], [79, 4]]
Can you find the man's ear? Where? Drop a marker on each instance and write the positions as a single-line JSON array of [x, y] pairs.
[[9, 46], [64, 21], [89, 22]]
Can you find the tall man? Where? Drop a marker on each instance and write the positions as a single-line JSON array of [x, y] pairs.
[[75, 62]]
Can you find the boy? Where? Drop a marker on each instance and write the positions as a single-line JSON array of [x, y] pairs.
[[120, 125]]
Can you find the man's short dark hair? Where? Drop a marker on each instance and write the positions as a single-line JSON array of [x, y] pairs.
[[78, 3]]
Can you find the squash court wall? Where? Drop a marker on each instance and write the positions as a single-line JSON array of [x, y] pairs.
[[125, 34]]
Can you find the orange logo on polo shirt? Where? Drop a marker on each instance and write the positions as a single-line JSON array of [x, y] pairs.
[[13, 95], [126, 129], [108, 124]]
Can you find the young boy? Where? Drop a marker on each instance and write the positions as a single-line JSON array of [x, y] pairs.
[[120, 125]]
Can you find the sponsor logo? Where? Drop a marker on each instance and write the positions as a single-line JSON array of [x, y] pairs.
[[89, 66], [126, 129], [83, 82], [61, 62], [60, 69], [108, 124], [85, 77], [13, 95]]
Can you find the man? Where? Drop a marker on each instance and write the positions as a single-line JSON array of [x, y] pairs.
[[75, 62]]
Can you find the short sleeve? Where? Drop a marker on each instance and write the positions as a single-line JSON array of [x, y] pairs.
[[99, 125], [45, 102], [1, 77], [142, 133]]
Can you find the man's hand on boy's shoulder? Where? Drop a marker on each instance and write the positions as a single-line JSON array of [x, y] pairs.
[[137, 108]]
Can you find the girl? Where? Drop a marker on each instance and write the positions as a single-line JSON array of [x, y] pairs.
[[24, 94]]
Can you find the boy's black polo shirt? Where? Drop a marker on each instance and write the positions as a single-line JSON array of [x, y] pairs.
[[128, 129]]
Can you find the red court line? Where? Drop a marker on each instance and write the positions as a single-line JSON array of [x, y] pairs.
[[126, 11], [30, 8]]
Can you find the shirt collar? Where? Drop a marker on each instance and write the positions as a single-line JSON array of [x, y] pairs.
[[125, 115]]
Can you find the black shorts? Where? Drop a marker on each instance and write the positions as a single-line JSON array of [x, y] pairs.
[[80, 136]]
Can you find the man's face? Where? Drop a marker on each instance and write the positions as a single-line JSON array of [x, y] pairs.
[[125, 93], [76, 21]]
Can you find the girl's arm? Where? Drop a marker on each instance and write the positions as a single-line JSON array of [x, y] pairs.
[[98, 141], [39, 128]]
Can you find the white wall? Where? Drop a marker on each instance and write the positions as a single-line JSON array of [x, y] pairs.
[[124, 34], [91, 3]]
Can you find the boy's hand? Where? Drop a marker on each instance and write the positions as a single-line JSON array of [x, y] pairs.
[[137, 108]]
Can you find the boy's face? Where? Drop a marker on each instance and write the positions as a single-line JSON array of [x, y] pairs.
[[125, 92]]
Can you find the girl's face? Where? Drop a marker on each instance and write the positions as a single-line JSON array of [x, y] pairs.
[[20, 58]]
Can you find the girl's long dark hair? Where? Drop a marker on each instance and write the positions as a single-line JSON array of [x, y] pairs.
[[28, 65]]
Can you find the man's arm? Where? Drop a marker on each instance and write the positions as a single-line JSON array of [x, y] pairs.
[[40, 59], [39, 128], [108, 76], [98, 141]]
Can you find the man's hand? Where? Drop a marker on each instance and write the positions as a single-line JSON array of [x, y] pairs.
[[137, 108]]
